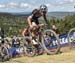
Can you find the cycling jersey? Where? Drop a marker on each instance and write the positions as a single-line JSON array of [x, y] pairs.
[[35, 19]]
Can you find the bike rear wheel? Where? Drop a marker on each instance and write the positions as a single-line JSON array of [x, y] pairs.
[[29, 49], [51, 42]]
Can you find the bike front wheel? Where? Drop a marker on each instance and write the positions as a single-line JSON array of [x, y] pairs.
[[71, 38], [51, 42]]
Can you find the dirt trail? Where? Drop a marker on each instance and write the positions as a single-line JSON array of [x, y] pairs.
[[67, 56]]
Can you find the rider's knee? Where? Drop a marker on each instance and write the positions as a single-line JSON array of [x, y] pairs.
[[25, 32]]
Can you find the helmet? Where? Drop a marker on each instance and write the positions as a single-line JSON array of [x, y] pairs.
[[43, 8]]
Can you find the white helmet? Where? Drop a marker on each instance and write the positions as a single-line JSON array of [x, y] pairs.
[[43, 8]]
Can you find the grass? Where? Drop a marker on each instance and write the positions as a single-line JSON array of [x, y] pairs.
[[65, 57]]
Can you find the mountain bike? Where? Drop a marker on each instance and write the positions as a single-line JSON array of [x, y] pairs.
[[50, 42]]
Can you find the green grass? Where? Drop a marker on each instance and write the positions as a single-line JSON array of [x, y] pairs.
[[65, 57]]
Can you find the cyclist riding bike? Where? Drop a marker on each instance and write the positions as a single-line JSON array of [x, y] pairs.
[[34, 22]]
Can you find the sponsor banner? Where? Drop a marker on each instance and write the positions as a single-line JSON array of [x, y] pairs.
[[64, 38]]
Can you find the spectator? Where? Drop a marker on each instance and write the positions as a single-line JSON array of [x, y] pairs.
[[2, 34], [55, 28], [15, 42]]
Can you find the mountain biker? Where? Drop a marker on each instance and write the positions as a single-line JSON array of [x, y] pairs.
[[34, 22]]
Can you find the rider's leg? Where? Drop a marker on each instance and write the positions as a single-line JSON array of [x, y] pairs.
[[34, 32], [34, 36], [26, 33]]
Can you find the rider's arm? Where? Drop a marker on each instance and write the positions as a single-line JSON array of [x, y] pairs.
[[47, 22], [45, 18], [29, 20]]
